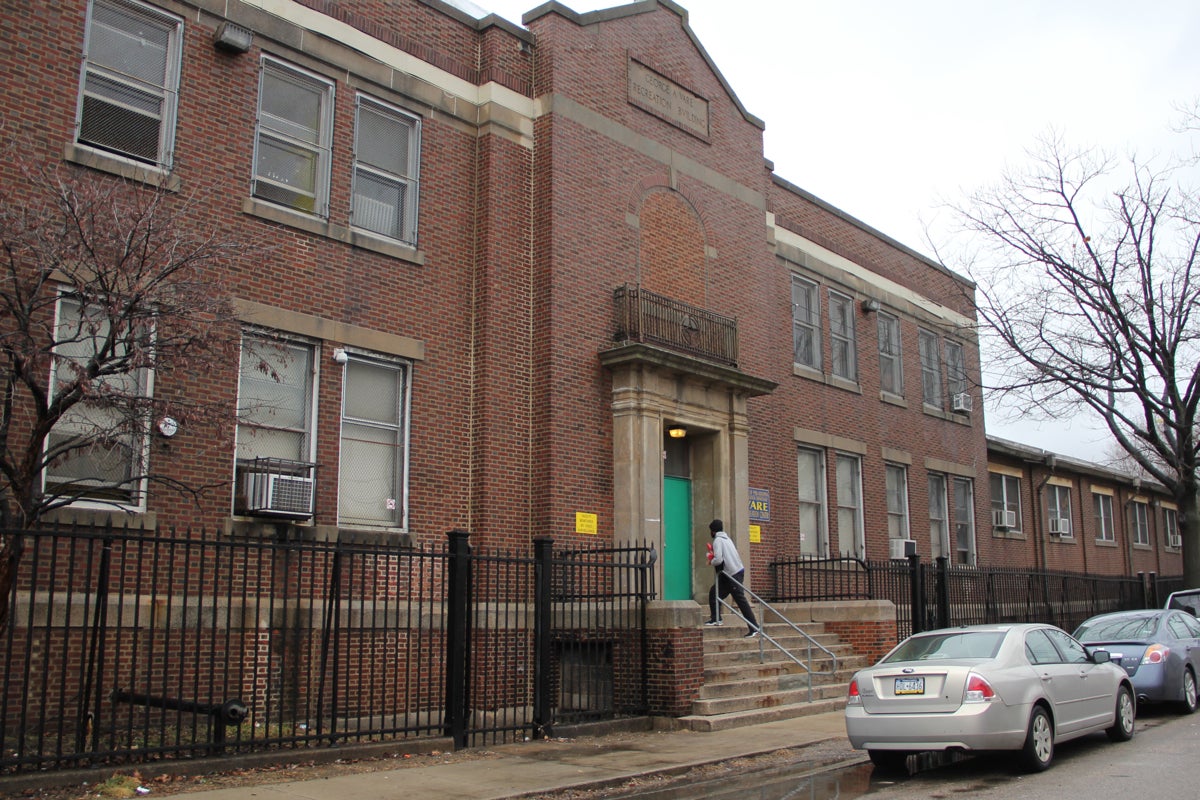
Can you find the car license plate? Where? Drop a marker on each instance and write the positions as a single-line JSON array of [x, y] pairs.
[[910, 686]]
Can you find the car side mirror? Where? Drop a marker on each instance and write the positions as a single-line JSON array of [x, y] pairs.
[[1101, 656]]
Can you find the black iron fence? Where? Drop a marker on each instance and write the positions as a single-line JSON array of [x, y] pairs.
[[125, 645], [941, 594]]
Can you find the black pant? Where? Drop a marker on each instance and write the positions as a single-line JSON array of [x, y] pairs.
[[731, 586]]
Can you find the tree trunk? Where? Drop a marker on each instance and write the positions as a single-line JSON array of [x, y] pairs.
[[1189, 531]]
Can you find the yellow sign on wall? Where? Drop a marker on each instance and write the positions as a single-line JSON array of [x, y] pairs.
[[755, 534], [586, 523]]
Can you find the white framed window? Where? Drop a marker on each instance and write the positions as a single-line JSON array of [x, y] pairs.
[[276, 407], [293, 137], [1171, 528], [806, 323], [1102, 504], [1141, 523], [1006, 501], [956, 369], [1058, 511], [810, 468], [891, 367], [896, 480], [99, 449], [931, 368], [939, 523], [842, 338], [849, 506], [964, 521], [386, 165], [373, 466], [130, 81]]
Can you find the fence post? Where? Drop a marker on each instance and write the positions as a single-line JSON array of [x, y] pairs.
[[543, 656], [918, 597], [942, 588], [458, 639], [1156, 600]]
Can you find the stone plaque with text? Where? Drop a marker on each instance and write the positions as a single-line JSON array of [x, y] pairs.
[[664, 98]]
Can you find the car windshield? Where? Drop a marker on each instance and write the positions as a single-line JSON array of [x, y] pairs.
[[947, 645], [1124, 627]]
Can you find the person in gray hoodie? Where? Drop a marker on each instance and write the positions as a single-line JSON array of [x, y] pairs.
[[730, 572]]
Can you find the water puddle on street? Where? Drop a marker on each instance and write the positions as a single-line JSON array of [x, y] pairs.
[[800, 783]]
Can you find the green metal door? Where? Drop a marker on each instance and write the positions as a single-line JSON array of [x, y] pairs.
[[677, 539]]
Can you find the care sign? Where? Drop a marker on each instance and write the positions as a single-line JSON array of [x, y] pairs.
[[760, 505]]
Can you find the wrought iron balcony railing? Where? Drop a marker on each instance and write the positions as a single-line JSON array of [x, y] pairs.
[[649, 318]]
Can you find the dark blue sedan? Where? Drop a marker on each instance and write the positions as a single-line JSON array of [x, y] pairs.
[[1159, 650]]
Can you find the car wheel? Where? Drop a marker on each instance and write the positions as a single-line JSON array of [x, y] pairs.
[[1189, 692], [1122, 727], [1039, 741], [890, 760]]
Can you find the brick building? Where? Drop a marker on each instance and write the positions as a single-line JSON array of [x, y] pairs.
[[523, 282]]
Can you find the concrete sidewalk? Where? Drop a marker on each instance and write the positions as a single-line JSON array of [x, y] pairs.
[[532, 768]]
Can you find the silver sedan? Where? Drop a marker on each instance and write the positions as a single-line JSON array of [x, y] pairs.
[[1019, 687]]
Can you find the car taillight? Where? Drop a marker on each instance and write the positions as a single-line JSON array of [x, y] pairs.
[[1155, 654], [978, 690], [852, 696]]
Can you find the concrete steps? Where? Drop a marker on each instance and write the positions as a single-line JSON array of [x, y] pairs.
[[749, 681]]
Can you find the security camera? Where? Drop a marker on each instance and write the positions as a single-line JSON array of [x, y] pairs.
[[339, 356]]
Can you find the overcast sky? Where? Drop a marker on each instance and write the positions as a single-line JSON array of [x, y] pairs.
[[887, 108]]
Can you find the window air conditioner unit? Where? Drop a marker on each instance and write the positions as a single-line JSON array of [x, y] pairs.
[[902, 548], [961, 402], [272, 494], [1060, 526], [1004, 519]]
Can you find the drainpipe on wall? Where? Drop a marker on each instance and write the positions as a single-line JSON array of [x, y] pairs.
[[1039, 516], [1040, 522], [1129, 525]]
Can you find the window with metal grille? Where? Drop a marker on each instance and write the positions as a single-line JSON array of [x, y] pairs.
[[1104, 518], [849, 506], [810, 468], [956, 370], [1171, 528], [842, 339], [891, 369], [292, 142], [964, 521], [806, 323], [98, 449], [275, 403], [939, 536], [130, 81], [1006, 501], [386, 166], [896, 479], [374, 456], [931, 368], [1141, 523], [1058, 511]]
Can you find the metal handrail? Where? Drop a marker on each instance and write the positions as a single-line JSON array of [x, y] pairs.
[[764, 636]]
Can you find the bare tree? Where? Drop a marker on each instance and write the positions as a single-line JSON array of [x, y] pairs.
[[1088, 281], [107, 287]]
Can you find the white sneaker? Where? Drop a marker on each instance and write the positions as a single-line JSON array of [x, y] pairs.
[[751, 635], [714, 623]]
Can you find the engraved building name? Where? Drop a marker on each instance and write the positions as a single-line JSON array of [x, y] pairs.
[[666, 99]]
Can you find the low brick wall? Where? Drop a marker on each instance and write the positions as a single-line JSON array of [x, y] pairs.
[[868, 626], [675, 657]]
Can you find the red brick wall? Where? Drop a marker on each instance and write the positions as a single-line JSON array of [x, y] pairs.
[[869, 638], [676, 670]]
